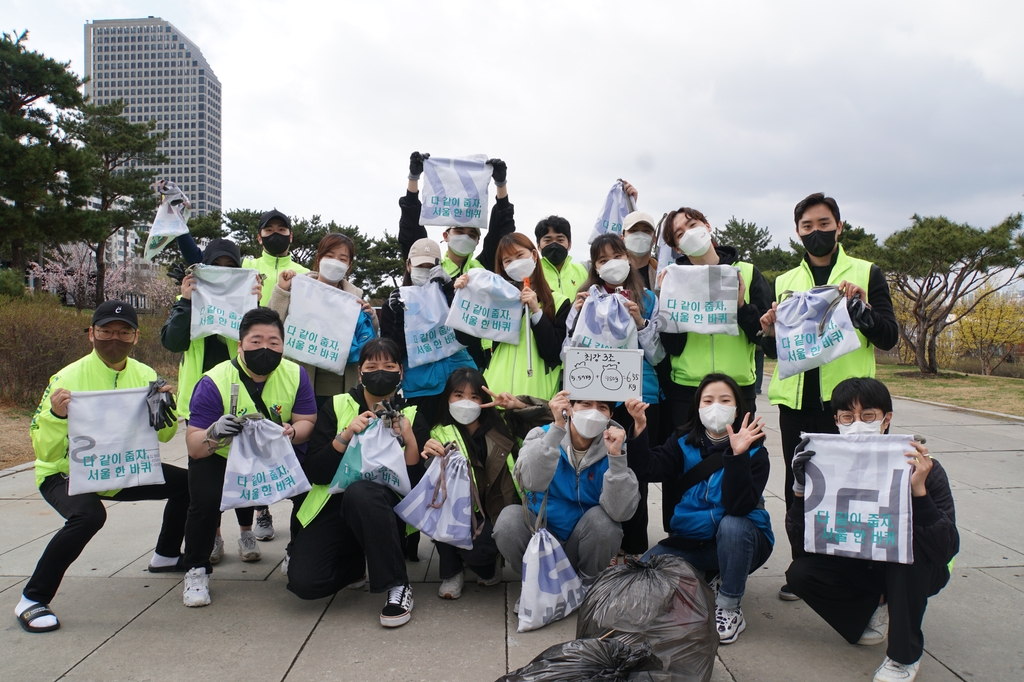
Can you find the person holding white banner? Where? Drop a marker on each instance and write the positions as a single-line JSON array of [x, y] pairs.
[[866, 601], [113, 333], [274, 234]]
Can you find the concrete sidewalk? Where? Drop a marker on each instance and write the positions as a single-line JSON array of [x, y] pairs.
[[120, 622]]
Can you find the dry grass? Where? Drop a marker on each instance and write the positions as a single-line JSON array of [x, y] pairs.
[[15, 445]]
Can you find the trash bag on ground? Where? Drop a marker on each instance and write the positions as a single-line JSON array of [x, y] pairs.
[[588, 660], [663, 602]]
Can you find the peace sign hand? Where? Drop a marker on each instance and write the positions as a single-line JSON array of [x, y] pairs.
[[505, 401]]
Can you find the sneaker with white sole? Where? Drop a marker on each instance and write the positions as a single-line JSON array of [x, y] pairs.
[[284, 564], [357, 585], [247, 547], [451, 588], [489, 582], [218, 550], [878, 627], [515, 609], [197, 588], [264, 529], [786, 593], [398, 608], [730, 624], [891, 671], [716, 585]]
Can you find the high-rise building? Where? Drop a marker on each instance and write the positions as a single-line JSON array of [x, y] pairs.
[[162, 76]]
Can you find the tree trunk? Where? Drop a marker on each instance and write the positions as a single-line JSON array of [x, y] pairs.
[[933, 360], [920, 355], [101, 272], [18, 254]]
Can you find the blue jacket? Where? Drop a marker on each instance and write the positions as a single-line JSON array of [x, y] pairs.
[[430, 379]]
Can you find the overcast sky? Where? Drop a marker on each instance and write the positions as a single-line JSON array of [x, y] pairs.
[[735, 108]]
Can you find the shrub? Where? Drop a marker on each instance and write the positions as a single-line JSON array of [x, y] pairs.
[[12, 283]]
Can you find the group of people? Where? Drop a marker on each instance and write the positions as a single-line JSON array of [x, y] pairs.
[[694, 429]]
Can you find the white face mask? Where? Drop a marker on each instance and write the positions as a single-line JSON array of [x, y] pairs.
[[589, 423], [858, 427], [333, 270], [464, 411], [614, 272], [696, 241], [461, 244], [639, 243], [419, 276], [716, 417], [520, 269]]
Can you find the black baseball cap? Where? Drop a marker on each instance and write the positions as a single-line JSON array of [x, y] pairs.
[[222, 247], [270, 215], [115, 311]]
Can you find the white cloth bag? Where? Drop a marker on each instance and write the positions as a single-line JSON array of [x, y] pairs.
[[171, 218], [812, 328], [441, 504], [604, 322], [221, 297], [857, 497], [110, 442], [551, 588], [427, 337], [262, 467], [320, 324], [455, 191], [488, 307], [699, 298], [614, 211], [373, 455]]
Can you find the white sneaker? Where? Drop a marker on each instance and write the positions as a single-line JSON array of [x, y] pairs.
[[489, 582], [264, 526], [284, 564], [451, 588], [357, 585], [877, 627], [891, 671], [247, 547], [197, 588], [218, 550], [515, 609], [716, 585], [730, 624], [398, 608]]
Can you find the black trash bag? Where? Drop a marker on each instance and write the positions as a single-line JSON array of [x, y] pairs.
[[664, 602], [583, 660]]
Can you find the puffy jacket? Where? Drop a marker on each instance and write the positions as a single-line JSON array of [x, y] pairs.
[[271, 267]]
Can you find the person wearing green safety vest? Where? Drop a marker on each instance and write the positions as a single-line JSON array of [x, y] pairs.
[[469, 417], [354, 534], [267, 385], [274, 234], [554, 239], [113, 333]]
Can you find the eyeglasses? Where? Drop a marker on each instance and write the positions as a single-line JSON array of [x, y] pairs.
[[104, 334], [867, 416]]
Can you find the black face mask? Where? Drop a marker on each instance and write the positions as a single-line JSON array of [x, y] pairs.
[[381, 383], [113, 351], [818, 243], [277, 244], [556, 253], [262, 361]]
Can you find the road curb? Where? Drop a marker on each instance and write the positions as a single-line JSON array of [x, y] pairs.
[[962, 409]]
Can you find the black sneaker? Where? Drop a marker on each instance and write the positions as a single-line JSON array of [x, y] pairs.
[[398, 609], [786, 593]]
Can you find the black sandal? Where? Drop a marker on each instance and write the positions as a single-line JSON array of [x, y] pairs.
[[32, 613]]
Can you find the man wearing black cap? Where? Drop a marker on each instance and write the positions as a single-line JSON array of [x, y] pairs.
[[275, 236], [113, 333]]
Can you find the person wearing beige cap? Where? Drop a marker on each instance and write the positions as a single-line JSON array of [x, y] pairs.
[[638, 234]]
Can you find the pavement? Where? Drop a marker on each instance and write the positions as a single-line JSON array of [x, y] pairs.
[[120, 622]]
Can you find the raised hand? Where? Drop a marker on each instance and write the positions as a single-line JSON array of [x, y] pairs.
[[638, 411], [505, 401], [747, 435]]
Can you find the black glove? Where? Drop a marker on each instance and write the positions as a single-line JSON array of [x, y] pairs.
[[177, 273], [161, 405], [395, 301], [800, 457], [499, 171], [416, 165], [225, 427], [860, 313]]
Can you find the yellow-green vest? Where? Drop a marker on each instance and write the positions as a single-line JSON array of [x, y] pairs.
[[709, 353], [566, 281], [271, 267], [447, 433], [453, 269], [506, 372], [345, 409], [191, 370], [860, 363], [278, 393]]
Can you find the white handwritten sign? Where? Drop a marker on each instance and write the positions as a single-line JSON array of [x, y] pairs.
[[605, 374]]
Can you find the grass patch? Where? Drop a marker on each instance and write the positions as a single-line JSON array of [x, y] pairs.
[[15, 444]]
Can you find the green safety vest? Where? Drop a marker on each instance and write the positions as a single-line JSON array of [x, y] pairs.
[[566, 281], [345, 409], [271, 267], [278, 393], [448, 433], [191, 370], [507, 369], [859, 363], [710, 353], [49, 432], [454, 270]]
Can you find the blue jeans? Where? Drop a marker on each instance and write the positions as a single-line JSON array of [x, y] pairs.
[[739, 549]]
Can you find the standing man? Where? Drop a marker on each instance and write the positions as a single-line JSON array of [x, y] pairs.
[[274, 234], [113, 334], [804, 399], [554, 239]]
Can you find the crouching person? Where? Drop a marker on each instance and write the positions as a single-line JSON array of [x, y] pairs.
[[591, 490], [866, 600], [113, 333], [356, 532], [720, 524]]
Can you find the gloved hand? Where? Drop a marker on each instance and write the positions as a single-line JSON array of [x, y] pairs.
[[395, 301], [438, 274], [225, 427], [416, 165], [860, 313], [800, 457], [177, 273], [161, 405], [499, 171]]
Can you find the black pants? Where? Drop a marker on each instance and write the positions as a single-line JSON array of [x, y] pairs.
[[845, 592], [791, 424], [205, 486], [634, 530], [480, 559], [356, 531], [85, 514], [680, 399]]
